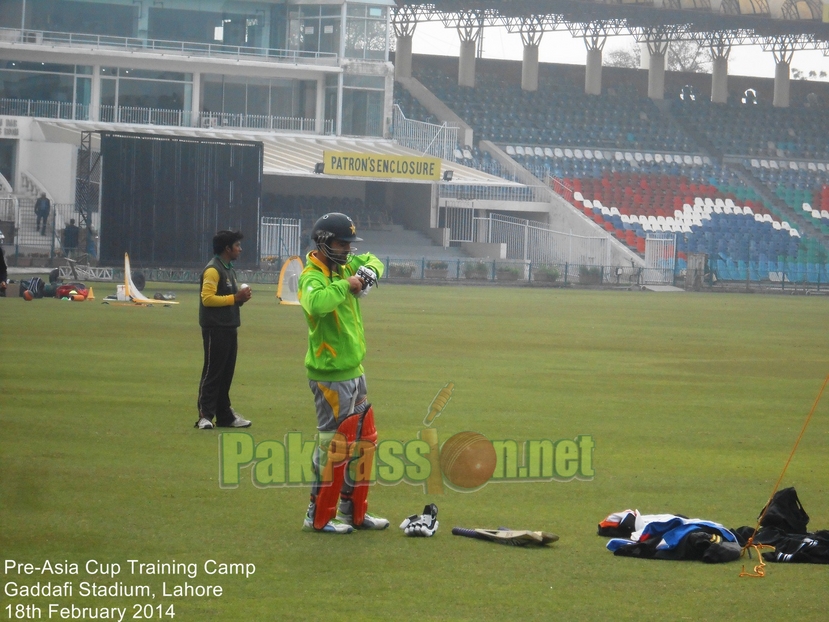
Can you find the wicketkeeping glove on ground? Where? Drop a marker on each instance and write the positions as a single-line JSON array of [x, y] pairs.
[[422, 525], [369, 277]]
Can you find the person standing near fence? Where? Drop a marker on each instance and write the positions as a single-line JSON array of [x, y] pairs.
[[42, 209], [70, 238]]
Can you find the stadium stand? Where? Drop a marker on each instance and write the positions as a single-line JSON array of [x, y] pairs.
[[634, 167]]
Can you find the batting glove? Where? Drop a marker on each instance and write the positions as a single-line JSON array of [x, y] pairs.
[[368, 275], [369, 278], [422, 525]]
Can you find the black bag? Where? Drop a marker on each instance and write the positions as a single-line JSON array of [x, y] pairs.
[[784, 512]]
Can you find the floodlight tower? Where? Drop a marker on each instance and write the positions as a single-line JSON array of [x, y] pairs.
[[595, 34], [404, 19], [658, 39], [531, 28], [470, 26], [720, 42]]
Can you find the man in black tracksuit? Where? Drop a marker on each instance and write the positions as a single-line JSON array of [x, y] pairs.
[[219, 318]]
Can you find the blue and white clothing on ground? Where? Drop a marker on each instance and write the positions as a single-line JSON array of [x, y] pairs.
[[670, 529]]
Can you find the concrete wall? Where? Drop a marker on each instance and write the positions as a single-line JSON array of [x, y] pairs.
[[411, 205], [53, 165], [318, 186], [482, 250]]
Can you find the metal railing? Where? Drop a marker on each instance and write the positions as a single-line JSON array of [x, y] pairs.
[[479, 192], [279, 238], [45, 109], [140, 115], [537, 242], [183, 48], [472, 271], [263, 122], [438, 141]]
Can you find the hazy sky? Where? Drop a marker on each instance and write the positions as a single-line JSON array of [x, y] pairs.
[[560, 47]]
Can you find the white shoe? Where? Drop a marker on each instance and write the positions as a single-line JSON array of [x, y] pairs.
[[204, 424], [369, 521], [332, 526], [238, 421]]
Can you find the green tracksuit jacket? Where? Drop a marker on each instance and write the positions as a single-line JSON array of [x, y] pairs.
[[336, 342]]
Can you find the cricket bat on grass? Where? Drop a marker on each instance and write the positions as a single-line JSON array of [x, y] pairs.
[[514, 537]]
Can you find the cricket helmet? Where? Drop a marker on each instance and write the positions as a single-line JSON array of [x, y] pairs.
[[334, 226]]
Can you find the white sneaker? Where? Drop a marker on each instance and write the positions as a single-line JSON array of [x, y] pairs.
[[238, 421], [332, 526], [204, 424], [369, 521]]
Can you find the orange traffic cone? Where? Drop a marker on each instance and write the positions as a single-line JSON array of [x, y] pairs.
[[90, 295]]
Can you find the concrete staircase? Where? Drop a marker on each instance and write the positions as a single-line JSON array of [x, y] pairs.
[[398, 243]]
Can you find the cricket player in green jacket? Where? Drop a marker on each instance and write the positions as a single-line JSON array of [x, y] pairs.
[[330, 289]]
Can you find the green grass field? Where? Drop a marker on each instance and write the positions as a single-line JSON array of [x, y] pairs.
[[694, 402]]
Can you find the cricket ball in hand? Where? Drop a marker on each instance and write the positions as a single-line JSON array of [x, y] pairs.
[[467, 459], [244, 286]]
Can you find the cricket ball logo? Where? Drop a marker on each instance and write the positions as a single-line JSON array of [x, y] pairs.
[[466, 460]]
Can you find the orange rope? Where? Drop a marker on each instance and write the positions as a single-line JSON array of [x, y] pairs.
[[759, 569]]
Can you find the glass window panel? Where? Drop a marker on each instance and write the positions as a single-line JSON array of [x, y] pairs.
[[212, 96], [44, 67], [294, 32], [36, 86], [355, 38], [234, 99], [149, 94], [309, 11], [329, 10], [108, 92], [282, 101], [258, 99], [330, 35], [375, 40], [95, 18], [156, 75], [182, 25], [83, 90]]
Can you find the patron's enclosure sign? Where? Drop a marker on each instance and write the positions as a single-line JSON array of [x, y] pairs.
[[380, 165]]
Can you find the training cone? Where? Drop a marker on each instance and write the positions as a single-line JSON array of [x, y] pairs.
[[90, 295]]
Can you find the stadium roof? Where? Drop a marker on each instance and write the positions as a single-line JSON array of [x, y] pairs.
[[284, 154], [800, 18]]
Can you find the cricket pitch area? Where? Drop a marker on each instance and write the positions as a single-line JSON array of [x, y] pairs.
[[111, 501]]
